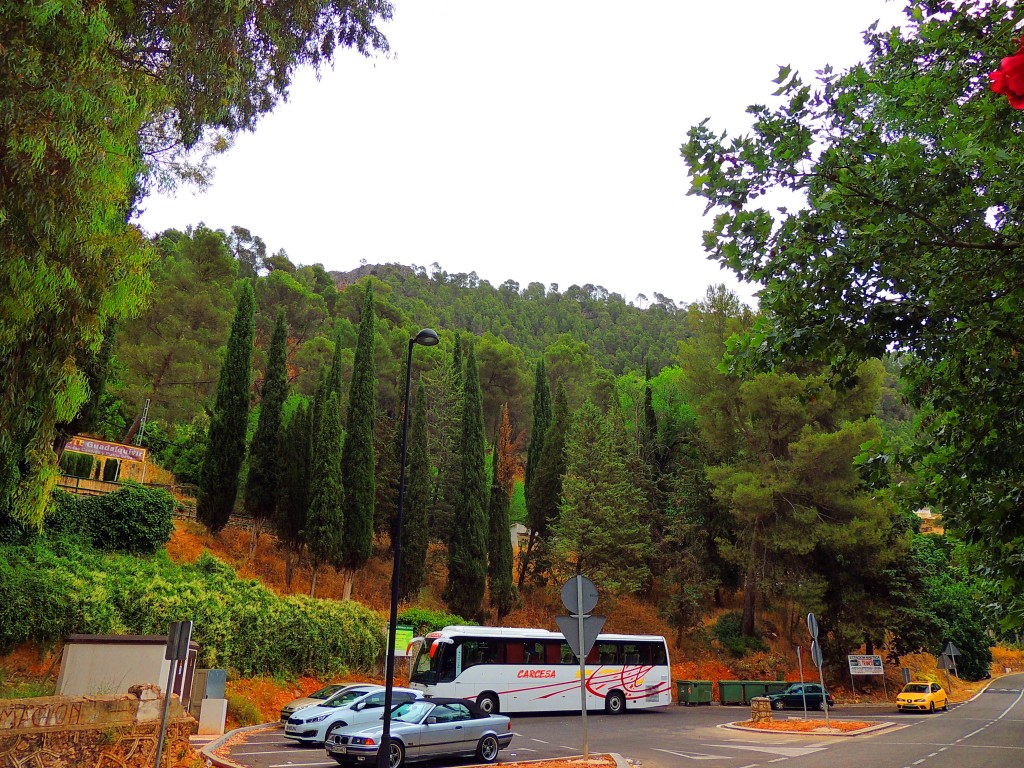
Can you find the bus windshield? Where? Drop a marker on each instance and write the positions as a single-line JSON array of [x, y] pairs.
[[427, 666]]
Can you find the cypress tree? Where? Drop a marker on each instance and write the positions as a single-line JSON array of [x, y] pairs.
[[547, 484], [499, 569], [293, 497], [334, 374], [416, 504], [218, 482], [467, 552], [541, 422], [325, 518], [317, 411], [357, 460], [448, 405], [264, 463]]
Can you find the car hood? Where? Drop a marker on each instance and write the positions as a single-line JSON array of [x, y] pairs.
[[374, 729], [302, 703], [308, 712]]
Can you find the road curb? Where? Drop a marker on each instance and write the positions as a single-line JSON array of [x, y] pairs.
[[863, 731], [209, 750]]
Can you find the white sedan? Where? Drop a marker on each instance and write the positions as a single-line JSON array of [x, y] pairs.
[[352, 706]]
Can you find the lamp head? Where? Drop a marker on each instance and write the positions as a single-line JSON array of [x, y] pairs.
[[427, 338]]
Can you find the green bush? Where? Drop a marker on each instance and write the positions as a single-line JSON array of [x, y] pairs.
[[133, 519], [53, 587], [424, 620], [243, 710], [727, 631]]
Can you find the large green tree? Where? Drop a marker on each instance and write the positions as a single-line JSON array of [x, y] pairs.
[[599, 531], [225, 448], [538, 428], [416, 504], [446, 412], [467, 552], [499, 541], [266, 458], [325, 517], [906, 235], [357, 458], [293, 497], [98, 102]]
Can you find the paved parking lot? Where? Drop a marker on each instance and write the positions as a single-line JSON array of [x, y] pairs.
[[658, 738]]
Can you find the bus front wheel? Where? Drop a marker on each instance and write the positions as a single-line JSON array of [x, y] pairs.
[[488, 702], [615, 704]]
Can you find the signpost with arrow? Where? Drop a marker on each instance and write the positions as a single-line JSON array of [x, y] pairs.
[[812, 627], [579, 596]]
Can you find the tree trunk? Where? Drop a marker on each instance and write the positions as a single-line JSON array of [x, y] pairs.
[[750, 591], [524, 561], [350, 577], [257, 529], [289, 567], [312, 581]]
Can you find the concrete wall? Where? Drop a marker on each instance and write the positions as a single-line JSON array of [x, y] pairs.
[[92, 732], [88, 669]]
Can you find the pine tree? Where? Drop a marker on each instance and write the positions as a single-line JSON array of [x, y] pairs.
[[218, 486], [334, 383], [545, 497], [325, 518], [599, 531], [293, 498], [499, 544], [416, 504], [265, 450], [467, 552], [357, 461], [541, 422], [317, 410], [447, 407]]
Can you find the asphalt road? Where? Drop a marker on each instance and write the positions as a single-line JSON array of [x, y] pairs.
[[985, 733]]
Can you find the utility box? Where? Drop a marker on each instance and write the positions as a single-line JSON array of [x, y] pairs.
[[206, 684]]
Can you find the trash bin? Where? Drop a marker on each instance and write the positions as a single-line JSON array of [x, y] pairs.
[[753, 688], [730, 691], [702, 691], [684, 692], [776, 686]]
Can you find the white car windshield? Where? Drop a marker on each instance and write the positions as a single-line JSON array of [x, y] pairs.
[[411, 711], [344, 699]]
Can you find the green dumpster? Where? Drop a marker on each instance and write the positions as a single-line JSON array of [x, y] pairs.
[[777, 687], [752, 688], [684, 692], [702, 691], [730, 691]]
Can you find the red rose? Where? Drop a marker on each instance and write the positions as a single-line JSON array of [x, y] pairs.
[[1009, 79]]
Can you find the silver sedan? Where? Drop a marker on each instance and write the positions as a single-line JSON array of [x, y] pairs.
[[425, 729]]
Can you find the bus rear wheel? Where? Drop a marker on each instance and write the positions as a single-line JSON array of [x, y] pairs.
[[615, 703], [488, 702]]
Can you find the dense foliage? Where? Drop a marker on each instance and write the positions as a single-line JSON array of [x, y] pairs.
[[905, 236], [133, 519], [53, 588]]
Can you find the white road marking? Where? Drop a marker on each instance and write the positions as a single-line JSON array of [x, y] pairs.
[[267, 752], [776, 750], [540, 741], [694, 755], [778, 759], [294, 765]]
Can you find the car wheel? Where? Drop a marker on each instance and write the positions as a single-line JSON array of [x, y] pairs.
[[397, 755], [487, 749], [945, 705], [822, 705], [332, 728], [931, 707], [488, 702], [615, 703], [778, 704]]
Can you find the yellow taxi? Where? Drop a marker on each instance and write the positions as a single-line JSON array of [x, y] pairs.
[[922, 697]]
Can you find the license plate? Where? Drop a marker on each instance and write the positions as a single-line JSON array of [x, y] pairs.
[[292, 729], [336, 750]]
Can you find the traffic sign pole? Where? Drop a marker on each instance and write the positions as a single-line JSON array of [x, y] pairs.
[[583, 667]]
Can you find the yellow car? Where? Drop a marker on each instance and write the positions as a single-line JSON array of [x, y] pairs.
[[922, 697]]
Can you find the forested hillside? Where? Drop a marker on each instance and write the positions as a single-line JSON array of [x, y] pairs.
[[626, 448]]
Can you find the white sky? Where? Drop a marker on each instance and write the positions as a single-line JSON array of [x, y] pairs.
[[533, 141]]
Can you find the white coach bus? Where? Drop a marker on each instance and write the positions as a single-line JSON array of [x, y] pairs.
[[533, 670]]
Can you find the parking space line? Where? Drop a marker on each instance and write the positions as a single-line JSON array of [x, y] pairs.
[[295, 765]]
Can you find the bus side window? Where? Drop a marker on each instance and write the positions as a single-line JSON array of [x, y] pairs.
[[533, 652], [446, 668], [594, 657], [659, 656], [514, 653], [609, 653], [566, 656], [552, 652]]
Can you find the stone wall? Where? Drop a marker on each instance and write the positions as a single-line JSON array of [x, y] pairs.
[[92, 731]]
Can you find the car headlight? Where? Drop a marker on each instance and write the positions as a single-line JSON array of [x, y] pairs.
[[317, 719], [366, 741]]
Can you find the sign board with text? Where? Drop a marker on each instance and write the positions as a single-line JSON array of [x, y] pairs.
[[865, 665]]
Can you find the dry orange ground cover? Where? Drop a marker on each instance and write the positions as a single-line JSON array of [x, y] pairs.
[[793, 725]]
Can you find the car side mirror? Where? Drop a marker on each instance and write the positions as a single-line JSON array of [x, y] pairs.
[[431, 720], [359, 706]]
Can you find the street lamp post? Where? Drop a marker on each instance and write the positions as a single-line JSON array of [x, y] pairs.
[[425, 338]]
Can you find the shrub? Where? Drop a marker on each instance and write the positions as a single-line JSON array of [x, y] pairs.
[[424, 620], [727, 631], [132, 519], [244, 711]]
